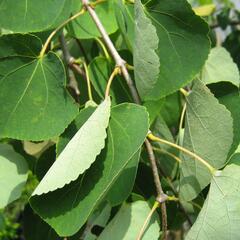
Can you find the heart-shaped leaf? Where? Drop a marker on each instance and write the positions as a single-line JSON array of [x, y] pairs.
[[34, 102]]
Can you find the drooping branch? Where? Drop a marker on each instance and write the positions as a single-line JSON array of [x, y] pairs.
[[121, 63]]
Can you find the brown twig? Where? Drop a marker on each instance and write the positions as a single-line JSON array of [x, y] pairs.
[[161, 196]]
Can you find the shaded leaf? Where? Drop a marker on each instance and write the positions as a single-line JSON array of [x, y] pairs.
[[166, 163], [33, 15], [80, 198], [232, 103], [125, 19], [79, 153], [209, 134], [128, 222], [219, 217], [13, 172], [35, 103], [123, 186], [34, 228], [220, 68], [100, 70]]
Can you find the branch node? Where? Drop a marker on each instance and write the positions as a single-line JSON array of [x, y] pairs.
[[162, 198]]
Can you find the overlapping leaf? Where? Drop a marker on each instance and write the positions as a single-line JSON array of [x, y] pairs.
[[67, 209], [13, 174], [183, 45], [146, 61], [79, 153], [128, 222], [33, 15], [220, 215], [220, 68], [209, 134], [34, 102]]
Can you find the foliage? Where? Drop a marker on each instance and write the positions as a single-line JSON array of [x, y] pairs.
[[119, 119]]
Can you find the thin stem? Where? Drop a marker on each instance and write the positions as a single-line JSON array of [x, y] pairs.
[[117, 58], [143, 228], [44, 48], [167, 153], [103, 48], [184, 92], [195, 156], [88, 82], [162, 197], [130, 67], [115, 72]]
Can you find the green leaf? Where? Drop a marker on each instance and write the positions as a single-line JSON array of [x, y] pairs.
[[220, 68], [183, 45], [84, 27], [219, 217], [13, 172], [146, 60], [209, 134], [80, 198], [128, 222], [79, 153], [123, 186], [33, 15], [35, 103]]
